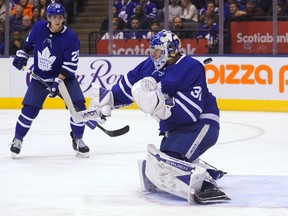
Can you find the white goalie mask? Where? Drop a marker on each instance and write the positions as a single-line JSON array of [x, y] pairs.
[[164, 45]]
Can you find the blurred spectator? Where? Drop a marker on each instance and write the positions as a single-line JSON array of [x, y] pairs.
[[135, 31], [281, 13], [264, 5], [144, 20], [36, 15], [285, 5], [178, 28], [125, 9], [13, 3], [16, 42], [117, 34], [42, 6], [26, 27], [105, 23], [27, 8], [210, 31], [150, 9], [233, 16], [34, 2], [174, 10], [189, 11], [159, 3], [251, 10], [2, 10], [209, 8], [2, 37], [154, 29], [198, 3], [16, 19], [227, 7]]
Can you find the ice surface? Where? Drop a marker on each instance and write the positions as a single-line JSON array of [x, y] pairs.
[[47, 179]]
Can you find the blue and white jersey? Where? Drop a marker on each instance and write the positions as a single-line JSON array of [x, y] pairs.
[[150, 9], [53, 52], [185, 81]]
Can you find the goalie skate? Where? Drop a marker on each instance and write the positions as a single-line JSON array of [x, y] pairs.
[[211, 195], [15, 148], [81, 150]]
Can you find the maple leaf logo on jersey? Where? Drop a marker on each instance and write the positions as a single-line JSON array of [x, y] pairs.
[[45, 60]]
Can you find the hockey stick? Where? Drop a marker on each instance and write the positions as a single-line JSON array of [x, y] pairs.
[[92, 124], [86, 115]]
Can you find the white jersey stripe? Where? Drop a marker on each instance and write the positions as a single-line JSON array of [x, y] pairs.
[[197, 141], [189, 101]]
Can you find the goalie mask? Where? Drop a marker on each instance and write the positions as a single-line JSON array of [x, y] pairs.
[[164, 45]]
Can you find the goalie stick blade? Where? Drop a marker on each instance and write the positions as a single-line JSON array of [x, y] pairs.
[[115, 133]]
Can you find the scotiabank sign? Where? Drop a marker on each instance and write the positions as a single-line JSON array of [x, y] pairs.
[[257, 37], [141, 47]]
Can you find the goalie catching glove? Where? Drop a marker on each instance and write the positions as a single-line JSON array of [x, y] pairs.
[[149, 98], [102, 100]]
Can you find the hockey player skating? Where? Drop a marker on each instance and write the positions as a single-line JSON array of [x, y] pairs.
[[171, 87], [56, 55]]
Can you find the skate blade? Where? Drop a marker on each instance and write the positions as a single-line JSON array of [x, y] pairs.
[[219, 199], [81, 155], [13, 155]]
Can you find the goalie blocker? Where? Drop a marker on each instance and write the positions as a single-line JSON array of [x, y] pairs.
[[160, 172]]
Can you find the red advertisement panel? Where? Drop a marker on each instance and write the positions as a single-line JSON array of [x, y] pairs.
[[257, 37], [141, 47]]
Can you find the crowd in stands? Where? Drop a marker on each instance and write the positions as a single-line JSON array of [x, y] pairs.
[[23, 14], [139, 19]]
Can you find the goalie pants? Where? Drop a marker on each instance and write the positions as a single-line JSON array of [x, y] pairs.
[[189, 142], [33, 103]]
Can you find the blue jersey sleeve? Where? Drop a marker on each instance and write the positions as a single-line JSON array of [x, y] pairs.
[[122, 90], [71, 55]]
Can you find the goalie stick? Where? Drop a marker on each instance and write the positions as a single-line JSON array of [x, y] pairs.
[[84, 115]]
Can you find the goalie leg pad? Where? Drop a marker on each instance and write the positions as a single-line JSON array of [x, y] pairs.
[[174, 176], [146, 184]]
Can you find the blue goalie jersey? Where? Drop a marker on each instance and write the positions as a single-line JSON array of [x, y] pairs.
[[185, 82], [49, 58]]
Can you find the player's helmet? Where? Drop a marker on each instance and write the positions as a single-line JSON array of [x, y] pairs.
[[55, 9], [168, 43]]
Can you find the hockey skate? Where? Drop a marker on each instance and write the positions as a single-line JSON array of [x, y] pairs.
[[210, 194], [15, 148], [81, 150]]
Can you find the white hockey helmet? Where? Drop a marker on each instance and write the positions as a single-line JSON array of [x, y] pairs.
[[168, 43]]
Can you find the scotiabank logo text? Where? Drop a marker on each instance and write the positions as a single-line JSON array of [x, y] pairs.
[[143, 49], [247, 74], [260, 38]]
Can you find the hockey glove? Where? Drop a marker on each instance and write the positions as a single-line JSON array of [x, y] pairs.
[[54, 91], [20, 59], [149, 98], [102, 100]]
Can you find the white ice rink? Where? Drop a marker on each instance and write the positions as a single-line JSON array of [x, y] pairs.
[[48, 180]]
